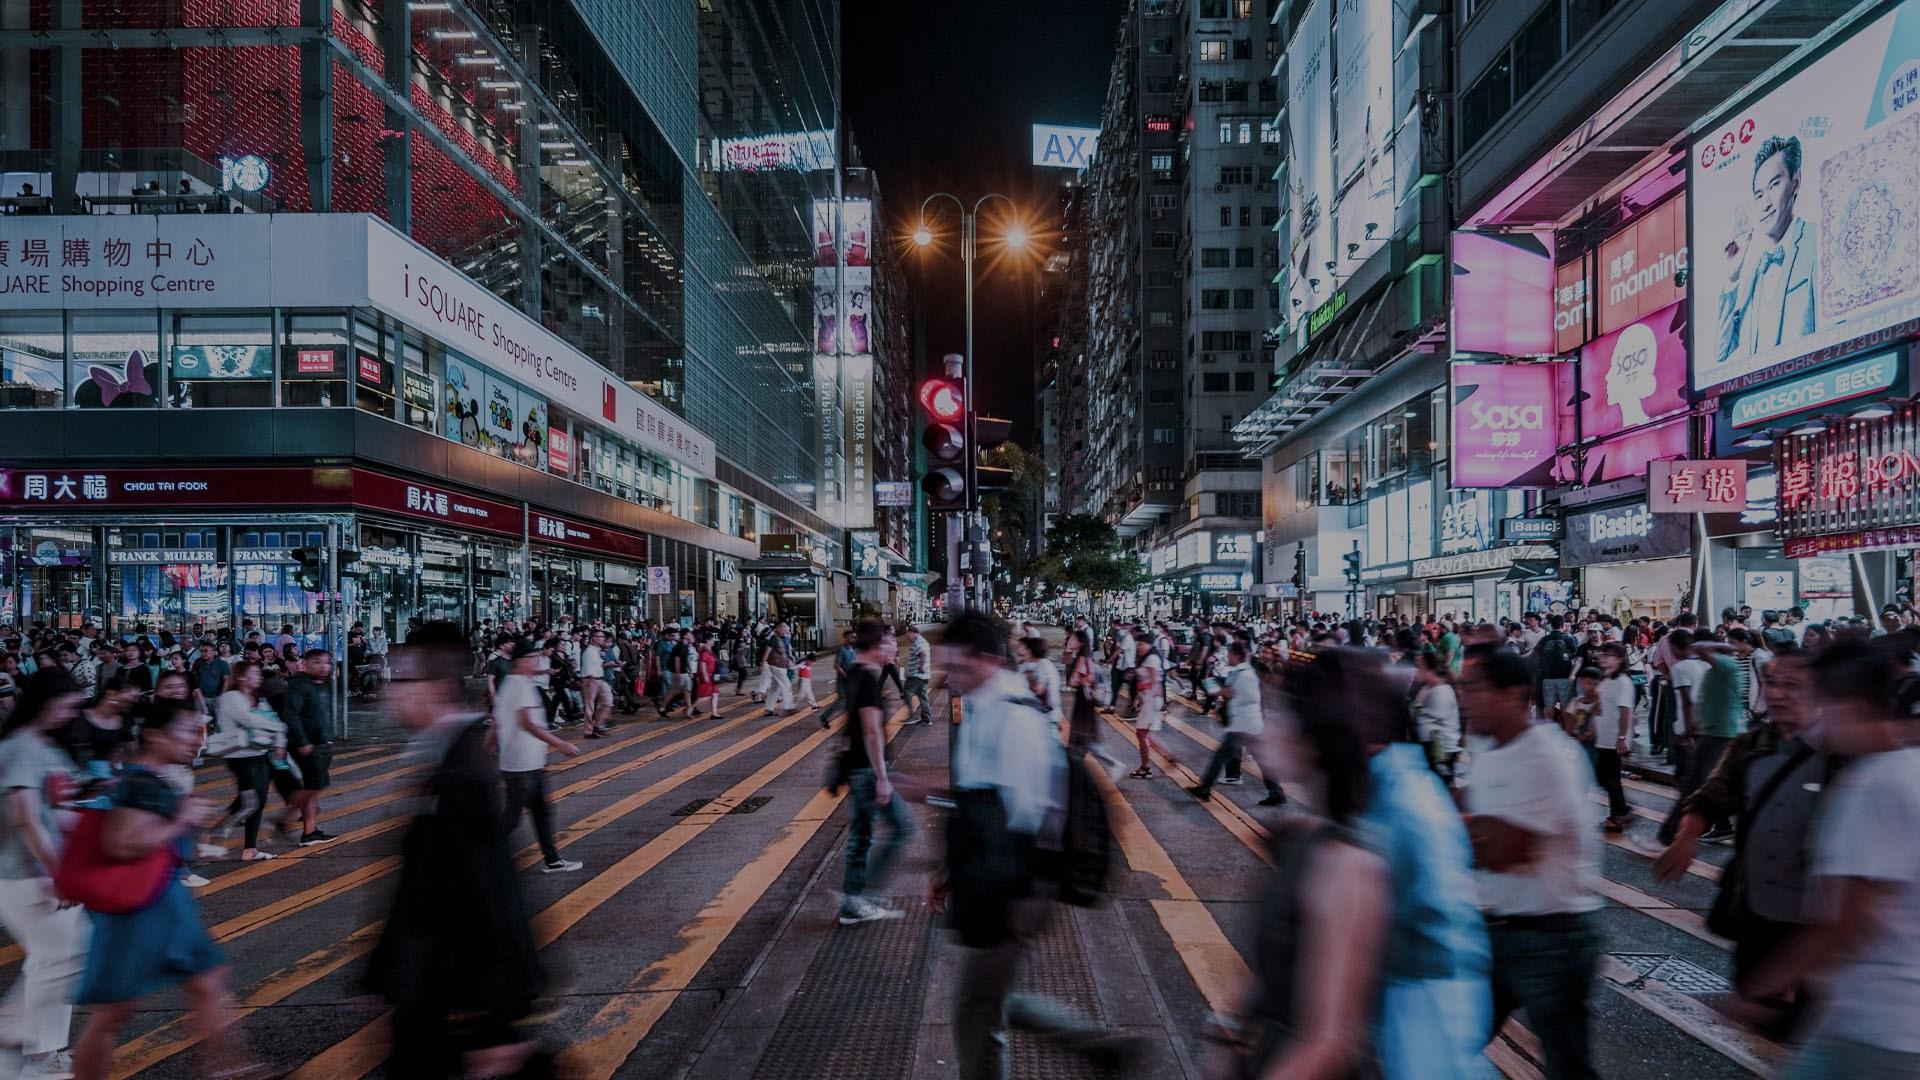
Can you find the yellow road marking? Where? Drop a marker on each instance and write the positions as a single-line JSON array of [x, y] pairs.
[[1214, 965], [1228, 813], [626, 1018], [1655, 908], [1755, 1053], [360, 1052], [176, 1036]]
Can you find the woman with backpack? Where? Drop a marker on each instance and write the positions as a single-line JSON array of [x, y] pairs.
[[38, 775]]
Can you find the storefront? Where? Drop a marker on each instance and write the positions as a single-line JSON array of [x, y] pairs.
[[1631, 561], [1483, 585], [315, 548], [1851, 495]]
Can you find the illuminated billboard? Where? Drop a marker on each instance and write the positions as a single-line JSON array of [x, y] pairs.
[[1363, 158], [1506, 423], [1310, 185], [1502, 294], [1635, 375], [1805, 204], [1058, 147]]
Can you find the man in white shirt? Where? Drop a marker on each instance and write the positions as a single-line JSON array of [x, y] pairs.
[[919, 676], [1240, 691], [596, 696], [1864, 950], [520, 729], [1536, 856]]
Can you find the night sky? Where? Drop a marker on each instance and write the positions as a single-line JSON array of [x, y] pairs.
[[939, 97]]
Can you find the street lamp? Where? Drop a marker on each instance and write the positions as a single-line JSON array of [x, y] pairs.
[[1015, 237]]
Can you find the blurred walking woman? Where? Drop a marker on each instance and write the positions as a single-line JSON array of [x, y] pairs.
[[38, 775], [1324, 915]]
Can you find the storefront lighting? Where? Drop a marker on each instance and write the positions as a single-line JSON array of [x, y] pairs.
[[560, 144], [430, 7], [1758, 440], [572, 163], [513, 106], [1811, 427], [547, 125], [478, 60], [1874, 410], [453, 35], [499, 84]]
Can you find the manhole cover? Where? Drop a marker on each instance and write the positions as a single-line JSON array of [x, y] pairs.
[[1682, 975], [693, 807], [748, 806]]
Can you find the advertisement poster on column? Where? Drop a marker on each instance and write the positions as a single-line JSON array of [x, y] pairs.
[[1502, 294], [1805, 204], [1362, 108], [1635, 375], [1310, 161], [1506, 423], [465, 394]]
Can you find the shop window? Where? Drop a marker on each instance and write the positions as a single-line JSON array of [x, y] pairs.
[[165, 576], [314, 361], [55, 576], [419, 390], [220, 362], [115, 361], [33, 360], [373, 374]]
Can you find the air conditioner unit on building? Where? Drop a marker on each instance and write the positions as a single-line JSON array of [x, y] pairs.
[[1219, 189], [1157, 214]]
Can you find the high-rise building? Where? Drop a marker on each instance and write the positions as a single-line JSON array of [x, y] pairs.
[[1181, 260], [1133, 414], [504, 304], [1060, 389]]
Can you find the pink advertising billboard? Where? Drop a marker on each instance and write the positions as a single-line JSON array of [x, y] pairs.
[[1628, 455], [1507, 423], [1635, 375], [1503, 294]]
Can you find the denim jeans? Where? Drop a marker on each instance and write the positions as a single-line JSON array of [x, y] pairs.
[[860, 874], [917, 688], [1554, 693], [1545, 965]]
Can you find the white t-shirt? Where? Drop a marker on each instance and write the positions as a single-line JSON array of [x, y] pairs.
[[1243, 708], [1539, 782], [1147, 684], [1436, 713], [1615, 693], [1873, 997], [520, 749], [1687, 676], [592, 662]]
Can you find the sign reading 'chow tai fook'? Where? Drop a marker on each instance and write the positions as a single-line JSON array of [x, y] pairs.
[[1851, 486]]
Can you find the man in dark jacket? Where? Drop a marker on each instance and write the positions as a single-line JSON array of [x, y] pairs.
[[309, 720], [456, 959]]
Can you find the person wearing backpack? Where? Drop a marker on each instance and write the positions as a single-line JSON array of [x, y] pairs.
[[1026, 829], [1553, 663]]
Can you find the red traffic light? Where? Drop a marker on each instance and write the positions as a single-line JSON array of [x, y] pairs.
[[943, 400]]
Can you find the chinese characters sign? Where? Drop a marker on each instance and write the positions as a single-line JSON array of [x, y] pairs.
[[1859, 479], [1696, 487], [135, 260]]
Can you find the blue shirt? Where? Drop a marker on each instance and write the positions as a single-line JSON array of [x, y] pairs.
[[1437, 932]]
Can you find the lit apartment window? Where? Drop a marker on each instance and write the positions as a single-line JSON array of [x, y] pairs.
[[1213, 49]]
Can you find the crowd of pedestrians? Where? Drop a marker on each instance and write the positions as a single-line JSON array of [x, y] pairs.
[[1446, 876]]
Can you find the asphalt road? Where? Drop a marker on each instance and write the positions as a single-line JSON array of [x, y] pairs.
[[699, 940]]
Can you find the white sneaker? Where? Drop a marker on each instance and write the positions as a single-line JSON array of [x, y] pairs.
[[563, 866], [195, 881], [857, 910], [54, 1065], [212, 851]]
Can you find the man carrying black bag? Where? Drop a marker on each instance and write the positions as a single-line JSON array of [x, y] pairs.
[[1027, 828]]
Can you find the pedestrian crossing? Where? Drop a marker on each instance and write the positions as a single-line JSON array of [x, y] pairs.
[[660, 918]]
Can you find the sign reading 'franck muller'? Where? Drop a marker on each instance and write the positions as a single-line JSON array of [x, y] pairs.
[[1854, 481]]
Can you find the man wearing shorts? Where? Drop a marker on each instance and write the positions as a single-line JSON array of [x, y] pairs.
[[1149, 704], [309, 723]]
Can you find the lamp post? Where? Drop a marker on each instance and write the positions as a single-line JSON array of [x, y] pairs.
[[1015, 237]]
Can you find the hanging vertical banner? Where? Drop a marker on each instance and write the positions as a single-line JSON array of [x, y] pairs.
[[856, 384], [1310, 182]]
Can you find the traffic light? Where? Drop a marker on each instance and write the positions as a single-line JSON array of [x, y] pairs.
[[1300, 568], [312, 570], [1352, 559], [945, 437]]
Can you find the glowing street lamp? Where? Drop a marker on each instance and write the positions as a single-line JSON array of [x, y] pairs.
[[923, 236]]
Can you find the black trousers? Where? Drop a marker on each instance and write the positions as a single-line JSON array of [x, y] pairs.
[[1606, 773], [528, 791], [249, 774]]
